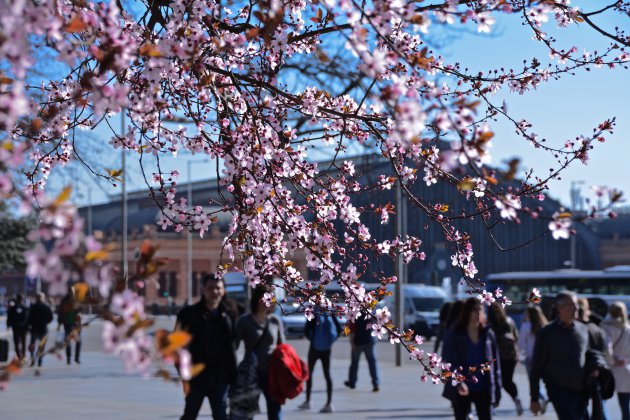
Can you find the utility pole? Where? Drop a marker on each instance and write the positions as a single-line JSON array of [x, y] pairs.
[[190, 241], [576, 205], [399, 316], [125, 262]]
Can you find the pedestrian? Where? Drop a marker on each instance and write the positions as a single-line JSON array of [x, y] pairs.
[[39, 316], [69, 316], [618, 332], [362, 341], [596, 342], [560, 361], [322, 331], [17, 320], [506, 334], [533, 320], [442, 326], [471, 345], [211, 326], [261, 331], [453, 314]]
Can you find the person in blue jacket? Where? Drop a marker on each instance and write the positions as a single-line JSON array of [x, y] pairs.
[[471, 344], [322, 331]]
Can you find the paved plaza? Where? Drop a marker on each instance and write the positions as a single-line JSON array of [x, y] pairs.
[[100, 389]]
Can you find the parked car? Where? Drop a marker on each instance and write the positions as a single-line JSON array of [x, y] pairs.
[[421, 308], [292, 317], [236, 286]]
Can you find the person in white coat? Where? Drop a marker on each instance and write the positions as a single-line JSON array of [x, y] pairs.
[[618, 333]]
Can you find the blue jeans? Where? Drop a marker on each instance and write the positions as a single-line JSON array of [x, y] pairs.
[[36, 339], [370, 355], [568, 403], [624, 403], [274, 409], [216, 393]]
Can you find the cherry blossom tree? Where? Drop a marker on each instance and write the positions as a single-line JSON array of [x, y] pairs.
[[266, 86]]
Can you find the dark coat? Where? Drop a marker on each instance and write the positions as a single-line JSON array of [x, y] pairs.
[[17, 316], [454, 352], [597, 360], [210, 337], [361, 334], [39, 316]]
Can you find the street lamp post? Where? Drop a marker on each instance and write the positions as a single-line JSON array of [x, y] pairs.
[[125, 262], [399, 316], [576, 205]]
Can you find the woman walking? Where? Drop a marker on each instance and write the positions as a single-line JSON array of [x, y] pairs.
[[533, 320], [505, 330], [469, 345], [618, 332], [262, 331]]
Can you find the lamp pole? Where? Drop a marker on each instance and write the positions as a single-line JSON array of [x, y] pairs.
[[576, 205], [190, 243], [125, 266], [399, 316]]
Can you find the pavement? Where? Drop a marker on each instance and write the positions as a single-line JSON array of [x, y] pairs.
[[99, 388]]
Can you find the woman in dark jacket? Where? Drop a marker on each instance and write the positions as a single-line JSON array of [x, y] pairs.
[[469, 345], [506, 332]]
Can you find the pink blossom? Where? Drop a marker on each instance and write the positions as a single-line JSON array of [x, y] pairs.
[[560, 226], [486, 297], [508, 206]]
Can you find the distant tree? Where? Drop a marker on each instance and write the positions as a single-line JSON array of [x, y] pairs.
[[13, 240]]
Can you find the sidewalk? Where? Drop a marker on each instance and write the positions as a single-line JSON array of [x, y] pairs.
[[100, 389]]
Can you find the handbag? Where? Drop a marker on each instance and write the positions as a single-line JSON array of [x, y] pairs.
[[245, 392]]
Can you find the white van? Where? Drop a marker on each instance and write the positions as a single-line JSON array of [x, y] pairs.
[[421, 308]]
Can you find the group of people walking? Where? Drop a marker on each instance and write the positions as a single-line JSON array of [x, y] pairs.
[[579, 357], [217, 329], [34, 319]]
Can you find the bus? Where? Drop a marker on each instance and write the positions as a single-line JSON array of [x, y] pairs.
[[601, 287]]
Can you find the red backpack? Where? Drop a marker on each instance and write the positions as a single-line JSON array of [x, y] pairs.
[[287, 373]]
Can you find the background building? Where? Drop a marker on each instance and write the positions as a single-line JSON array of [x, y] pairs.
[[597, 244]]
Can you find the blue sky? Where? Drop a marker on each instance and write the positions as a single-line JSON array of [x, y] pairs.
[[559, 110]]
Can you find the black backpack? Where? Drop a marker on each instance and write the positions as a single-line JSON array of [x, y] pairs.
[[507, 346], [506, 341]]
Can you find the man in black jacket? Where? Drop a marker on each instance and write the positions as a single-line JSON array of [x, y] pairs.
[[560, 360], [210, 323], [39, 316], [17, 320], [362, 341]]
